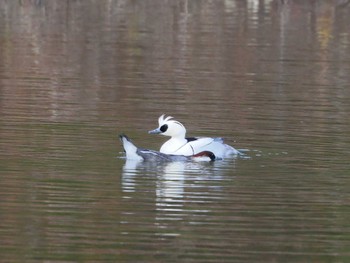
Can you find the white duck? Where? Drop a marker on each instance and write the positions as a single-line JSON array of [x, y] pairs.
[[178, 144], [140, 154]]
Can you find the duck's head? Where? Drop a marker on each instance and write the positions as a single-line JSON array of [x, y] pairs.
[[169, 127]]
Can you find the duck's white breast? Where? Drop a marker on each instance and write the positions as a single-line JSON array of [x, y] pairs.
[[176, 146]]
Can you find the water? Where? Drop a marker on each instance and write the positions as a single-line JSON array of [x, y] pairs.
[[271, 77]]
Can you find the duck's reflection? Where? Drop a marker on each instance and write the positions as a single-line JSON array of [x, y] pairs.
[[169, 179], [170, 185], [173, 188], [169, 176]]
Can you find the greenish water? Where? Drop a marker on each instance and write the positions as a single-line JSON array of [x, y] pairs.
[[270, 77]]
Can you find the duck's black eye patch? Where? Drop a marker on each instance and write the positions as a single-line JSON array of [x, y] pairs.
[[164, 128]]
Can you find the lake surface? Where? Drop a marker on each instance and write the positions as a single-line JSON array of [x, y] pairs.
[[271, 77]]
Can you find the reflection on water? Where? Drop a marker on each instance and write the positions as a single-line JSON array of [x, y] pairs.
[[171, 176], [270, 76], [175, 187]]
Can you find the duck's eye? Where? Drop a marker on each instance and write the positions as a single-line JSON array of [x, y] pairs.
[[164, 128]]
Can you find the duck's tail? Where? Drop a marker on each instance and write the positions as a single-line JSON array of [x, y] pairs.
[[129, 148]]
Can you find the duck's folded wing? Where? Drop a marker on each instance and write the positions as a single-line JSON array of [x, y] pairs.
[[200, 144]]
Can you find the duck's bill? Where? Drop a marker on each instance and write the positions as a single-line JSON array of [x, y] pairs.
[[155, 131]]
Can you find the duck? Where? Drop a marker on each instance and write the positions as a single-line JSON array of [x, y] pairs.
[[140, 154], [179, 144]]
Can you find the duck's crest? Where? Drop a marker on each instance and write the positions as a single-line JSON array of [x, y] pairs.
[[162, 119]]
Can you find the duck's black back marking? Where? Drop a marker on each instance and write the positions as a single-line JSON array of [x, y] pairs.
[[191, 139]]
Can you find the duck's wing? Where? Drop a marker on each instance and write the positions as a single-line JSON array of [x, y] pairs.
[[214, 145], [151, 155], [198, 144]]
